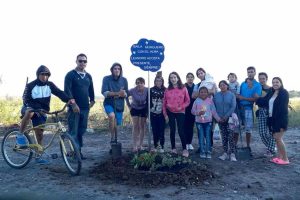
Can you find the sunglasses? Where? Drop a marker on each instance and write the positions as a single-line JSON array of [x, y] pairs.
[[82, 61], [44, 74]]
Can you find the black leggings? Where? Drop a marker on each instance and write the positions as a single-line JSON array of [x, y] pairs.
[[189, 127], [179, 117], [158, 129]]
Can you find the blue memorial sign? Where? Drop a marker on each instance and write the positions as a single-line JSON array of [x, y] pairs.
[[147, 55]]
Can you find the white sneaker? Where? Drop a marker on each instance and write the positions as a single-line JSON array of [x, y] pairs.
[[208, 155], [202, 155], [161, 151], [224, 156], [191, 147], [232, 157]]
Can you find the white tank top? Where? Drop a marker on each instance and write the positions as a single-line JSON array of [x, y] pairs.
[[271, 104]]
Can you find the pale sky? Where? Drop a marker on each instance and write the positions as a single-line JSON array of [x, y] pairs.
[[221, 36]]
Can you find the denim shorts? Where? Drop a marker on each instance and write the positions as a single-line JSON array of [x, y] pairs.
[[37, 118], [248, 121], [119, 115]]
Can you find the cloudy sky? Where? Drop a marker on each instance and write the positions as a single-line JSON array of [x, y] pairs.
[[220, 36]]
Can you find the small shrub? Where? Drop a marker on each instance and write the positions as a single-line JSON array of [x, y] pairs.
[[156, 161]]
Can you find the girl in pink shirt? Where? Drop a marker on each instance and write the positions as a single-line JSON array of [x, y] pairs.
[[176, 99]]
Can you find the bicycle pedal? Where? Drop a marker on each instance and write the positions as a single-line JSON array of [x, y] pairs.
[[54, 155]]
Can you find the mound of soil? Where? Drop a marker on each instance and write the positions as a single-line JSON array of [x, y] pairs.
[[122, 171]]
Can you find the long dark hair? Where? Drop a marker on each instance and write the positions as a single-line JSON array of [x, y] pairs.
[[278, 78], [179, 82], [200, 69], [224, 82], [162, 79]]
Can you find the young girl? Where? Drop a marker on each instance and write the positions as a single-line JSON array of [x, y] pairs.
[[189, 117], [138, 112], [234, 85], [176, 99], [157, 117], [204, 109]]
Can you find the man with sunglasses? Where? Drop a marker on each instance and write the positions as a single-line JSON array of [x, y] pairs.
[[37, 95], [79, 86]]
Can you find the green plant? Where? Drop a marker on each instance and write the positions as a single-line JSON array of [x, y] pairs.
[[144, 160], [157, 161]]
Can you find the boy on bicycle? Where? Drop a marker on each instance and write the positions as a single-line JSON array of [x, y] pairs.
[[37, 95]]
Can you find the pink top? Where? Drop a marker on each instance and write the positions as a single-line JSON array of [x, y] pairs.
[[176, 100], [206, 105]]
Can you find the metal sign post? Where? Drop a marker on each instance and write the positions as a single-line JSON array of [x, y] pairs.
[[148, 56]]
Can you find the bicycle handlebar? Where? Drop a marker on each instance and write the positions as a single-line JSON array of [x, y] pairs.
[[50, 113]]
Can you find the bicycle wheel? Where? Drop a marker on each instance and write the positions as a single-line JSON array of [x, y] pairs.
[[70, 154], [14, 156]]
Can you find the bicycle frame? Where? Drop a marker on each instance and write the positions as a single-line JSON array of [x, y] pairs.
[[55, 127]]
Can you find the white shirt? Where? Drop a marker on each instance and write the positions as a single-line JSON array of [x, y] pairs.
[[271, 104]]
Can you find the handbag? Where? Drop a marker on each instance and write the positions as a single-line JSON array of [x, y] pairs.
[[233, 121]]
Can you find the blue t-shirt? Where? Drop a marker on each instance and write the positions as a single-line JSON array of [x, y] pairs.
[[250, 92]]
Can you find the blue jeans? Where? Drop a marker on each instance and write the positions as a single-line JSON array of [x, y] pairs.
[[204, 136], [77, 123]]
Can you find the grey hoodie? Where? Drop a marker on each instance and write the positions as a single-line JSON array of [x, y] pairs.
[[114, 84]]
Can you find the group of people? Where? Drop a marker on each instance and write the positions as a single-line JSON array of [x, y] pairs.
[[182, 105]]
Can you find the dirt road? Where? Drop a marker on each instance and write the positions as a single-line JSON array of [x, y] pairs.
[[251, 179]]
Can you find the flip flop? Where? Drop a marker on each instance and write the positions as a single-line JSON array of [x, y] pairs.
[[281, 162], [274, 160]]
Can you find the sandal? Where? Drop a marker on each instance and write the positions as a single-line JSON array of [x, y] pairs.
[[274, 160], [135, 149], [281, 162], [174, 151], [185, 153]]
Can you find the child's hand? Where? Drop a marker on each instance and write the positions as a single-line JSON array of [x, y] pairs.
[[167, 119], [201, 112]]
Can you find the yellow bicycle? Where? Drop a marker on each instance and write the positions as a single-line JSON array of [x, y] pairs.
[[18, 158]]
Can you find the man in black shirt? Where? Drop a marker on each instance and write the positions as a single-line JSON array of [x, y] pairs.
[[79, 86]]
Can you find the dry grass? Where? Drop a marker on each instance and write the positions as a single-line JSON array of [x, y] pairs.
[[10, 113]]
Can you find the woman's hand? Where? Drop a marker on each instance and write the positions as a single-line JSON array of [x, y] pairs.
[[167, 119]]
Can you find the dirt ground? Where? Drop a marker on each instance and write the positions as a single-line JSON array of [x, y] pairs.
[[251, 179]]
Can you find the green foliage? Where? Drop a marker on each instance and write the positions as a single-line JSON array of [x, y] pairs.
[[294, 93], [144, 160], [294, 113], [158, 161], [10, 111]]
